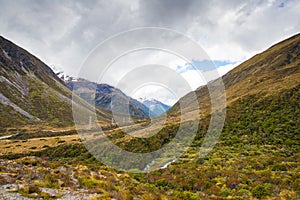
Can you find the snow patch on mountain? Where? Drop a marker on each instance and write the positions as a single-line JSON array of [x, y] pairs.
[[5, 101], [156, 107], [6, 54]]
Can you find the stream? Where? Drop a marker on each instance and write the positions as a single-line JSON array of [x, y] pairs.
[[5, 137]]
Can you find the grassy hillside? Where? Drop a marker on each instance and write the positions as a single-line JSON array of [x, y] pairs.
[[257, 155], [265, 74]]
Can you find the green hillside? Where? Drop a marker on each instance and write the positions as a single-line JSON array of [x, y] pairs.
[[257, 155]]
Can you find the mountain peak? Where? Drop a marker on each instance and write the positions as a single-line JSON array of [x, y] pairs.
[[154, 105], [143, 99]]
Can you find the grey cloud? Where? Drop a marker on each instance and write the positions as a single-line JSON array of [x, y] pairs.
[[166, 13], [62, 33]]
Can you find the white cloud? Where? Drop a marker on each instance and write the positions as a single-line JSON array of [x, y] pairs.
[[157, 92], [62, 33], [194, 78], [226, 68]]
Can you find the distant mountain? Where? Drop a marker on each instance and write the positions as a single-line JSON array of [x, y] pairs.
[[105, 96], [31, 93], [155, 106]]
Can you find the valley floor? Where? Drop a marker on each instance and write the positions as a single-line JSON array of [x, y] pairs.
[[60, 168]]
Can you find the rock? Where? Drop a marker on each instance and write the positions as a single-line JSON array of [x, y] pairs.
[[10, 187]]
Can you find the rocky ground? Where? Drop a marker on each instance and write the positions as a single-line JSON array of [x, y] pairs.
[[27, 178]]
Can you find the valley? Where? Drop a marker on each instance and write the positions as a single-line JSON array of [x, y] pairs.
[[256, 157]]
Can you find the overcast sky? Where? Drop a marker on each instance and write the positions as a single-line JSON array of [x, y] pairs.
[[63, 33]]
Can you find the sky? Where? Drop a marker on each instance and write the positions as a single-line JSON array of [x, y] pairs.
[[64, 33]]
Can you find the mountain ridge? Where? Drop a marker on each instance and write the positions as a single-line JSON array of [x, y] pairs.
[[31, 93], [275, 69], [105, 96]]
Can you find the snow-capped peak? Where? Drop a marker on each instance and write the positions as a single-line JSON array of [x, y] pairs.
[[143, 99], [154, 105]]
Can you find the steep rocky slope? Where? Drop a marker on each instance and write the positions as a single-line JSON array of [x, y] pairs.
[[30, 92]]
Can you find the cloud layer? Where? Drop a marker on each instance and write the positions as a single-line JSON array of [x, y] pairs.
[[62, 33]]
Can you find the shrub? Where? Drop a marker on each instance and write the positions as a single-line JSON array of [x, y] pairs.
[[279, 167], [186, 195], [260, 191], [161, 183], [244, 193], [31, 191], [90, 183], [51, 181], [225, 192], [201, 160]]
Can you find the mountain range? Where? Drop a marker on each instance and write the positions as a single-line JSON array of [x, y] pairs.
[[156, 107], [108, 97], [31, 93]]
